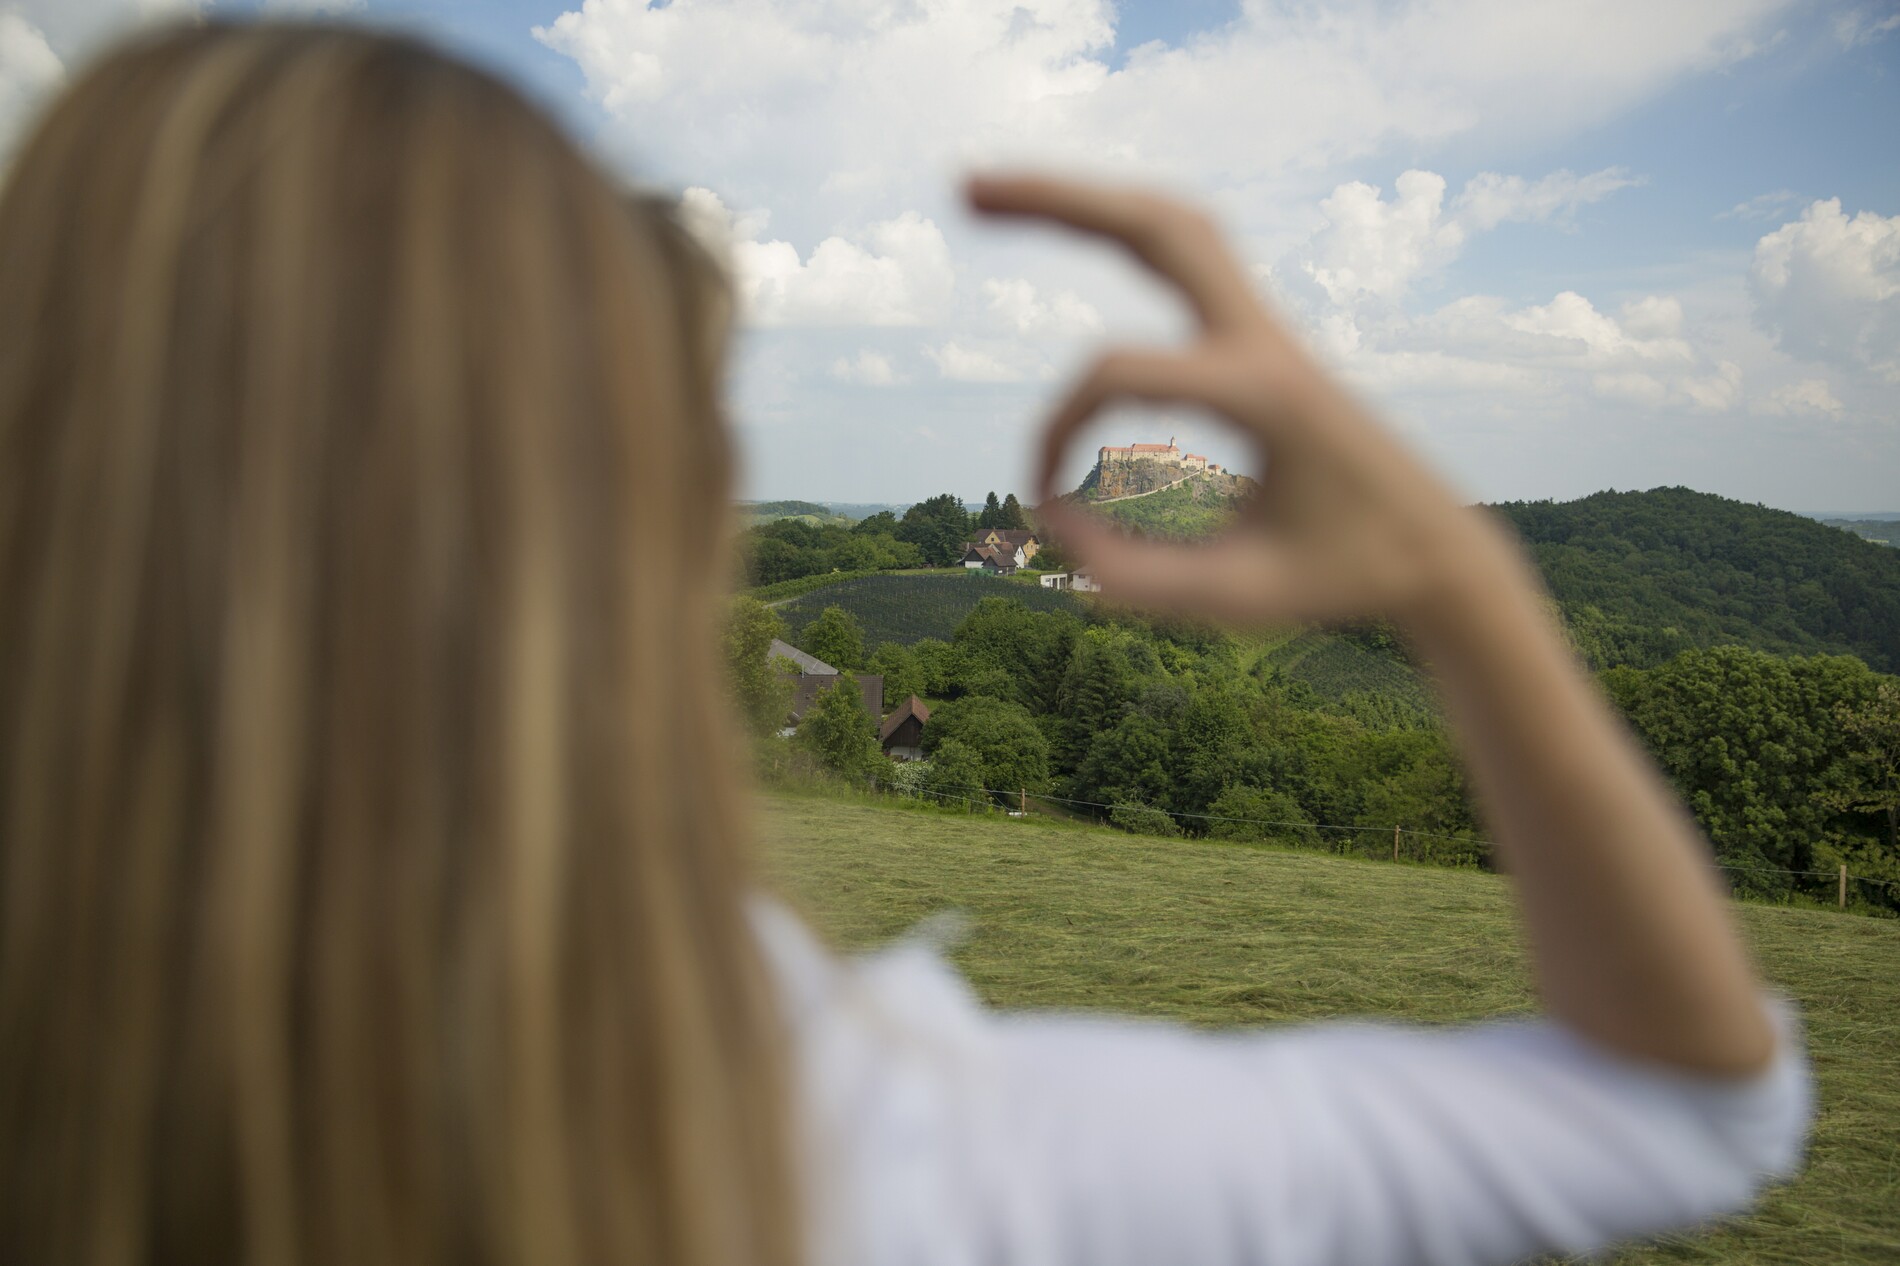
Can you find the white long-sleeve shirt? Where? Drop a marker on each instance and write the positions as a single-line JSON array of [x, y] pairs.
[[936, 1131]]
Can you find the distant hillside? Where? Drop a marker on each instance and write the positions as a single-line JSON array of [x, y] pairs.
[[1879, 531], [755, 512], [1643, 575]]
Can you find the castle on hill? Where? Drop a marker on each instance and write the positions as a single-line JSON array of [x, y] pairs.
[[1168, 454]]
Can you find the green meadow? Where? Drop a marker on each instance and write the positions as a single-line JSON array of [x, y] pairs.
[[1070, 916]]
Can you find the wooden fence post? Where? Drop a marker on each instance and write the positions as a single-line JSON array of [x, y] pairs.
[[1395, 843], [1022, 800], [1843, 885]]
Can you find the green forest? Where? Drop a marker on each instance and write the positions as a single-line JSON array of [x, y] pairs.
[[1642, 576], [1749, 649]]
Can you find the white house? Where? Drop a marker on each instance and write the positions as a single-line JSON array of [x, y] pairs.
[[1079, 581], [993, 558]]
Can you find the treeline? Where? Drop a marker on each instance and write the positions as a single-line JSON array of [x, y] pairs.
[[1789, 764], [929, 534], [1168, 729], [1643, 576]]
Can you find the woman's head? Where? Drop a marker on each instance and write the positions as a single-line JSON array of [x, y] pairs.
[[369, 888]]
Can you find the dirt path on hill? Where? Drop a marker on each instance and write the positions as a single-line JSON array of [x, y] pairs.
[[1132, 495]]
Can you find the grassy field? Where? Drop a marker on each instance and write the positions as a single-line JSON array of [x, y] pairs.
[[1222, 934]]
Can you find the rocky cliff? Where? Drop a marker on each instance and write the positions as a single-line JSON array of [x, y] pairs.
[[1128, 479]]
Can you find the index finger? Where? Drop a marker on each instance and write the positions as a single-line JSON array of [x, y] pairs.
[[1172, 238]]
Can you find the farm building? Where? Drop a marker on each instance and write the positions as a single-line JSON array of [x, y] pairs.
[[1079, 581], [902, 734], [1010, 541], [991, 558], [810, 675]]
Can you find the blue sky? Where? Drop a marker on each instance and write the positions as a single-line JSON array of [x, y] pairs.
[[1561, 246]]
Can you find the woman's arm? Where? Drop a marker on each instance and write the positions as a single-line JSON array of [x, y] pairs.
[[1632, 939]]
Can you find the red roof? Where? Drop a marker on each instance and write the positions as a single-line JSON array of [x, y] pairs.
[[911, 707]]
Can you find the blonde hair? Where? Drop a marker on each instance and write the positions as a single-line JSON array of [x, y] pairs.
[[370, 881]]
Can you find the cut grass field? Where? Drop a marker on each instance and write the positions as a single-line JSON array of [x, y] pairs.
[[1224, 934]]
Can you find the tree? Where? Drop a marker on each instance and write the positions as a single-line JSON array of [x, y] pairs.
[[835, 636], [903, 676], [1141, 819], [759, 689], [937, 662], [1872, 729], [1128, 762], [1255, 813], [992, 515], [1754, 744], [1014, 752], [1097, 686], [1030, 648], [1011, 516], [839, 732], [939, 527], [956, 772], [1209, 742], [883, 523]]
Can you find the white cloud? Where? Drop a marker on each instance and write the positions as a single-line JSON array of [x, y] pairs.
[[1565, 350], [963, 362], [1378, 248], [29, 69], [1374, 248], [897, 272], [1828, 287], [1578, 334], [1490, 199], [866, 99], [841, 116], [1021, 307], [1763, 206], [1863, 26], [1808, 396], [867, 368], [41, 40], [77, 28]]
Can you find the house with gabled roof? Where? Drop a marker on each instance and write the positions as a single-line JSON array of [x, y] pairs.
[[810, 675], [1010, 540], [902, 734], [996, 559]]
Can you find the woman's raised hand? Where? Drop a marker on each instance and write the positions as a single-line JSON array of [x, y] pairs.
[[1349, 525]]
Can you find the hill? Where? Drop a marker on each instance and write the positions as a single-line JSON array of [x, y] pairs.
[[1223, 934], [754, 512], [1879, 531], [1641, 576], [1198, 505], [908, 608]]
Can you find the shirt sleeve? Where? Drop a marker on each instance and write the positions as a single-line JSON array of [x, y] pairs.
[[941, 1132]]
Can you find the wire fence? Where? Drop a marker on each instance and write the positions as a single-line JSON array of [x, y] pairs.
[[987, 797]]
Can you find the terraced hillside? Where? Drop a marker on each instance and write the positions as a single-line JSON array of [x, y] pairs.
[[907, 608], [1341, 669]]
